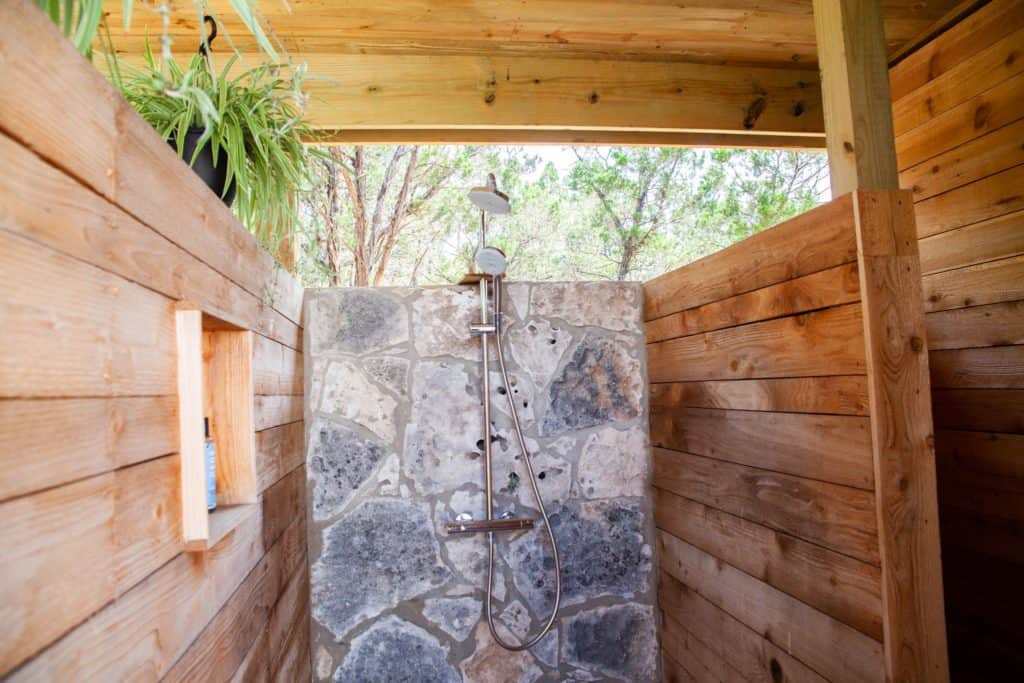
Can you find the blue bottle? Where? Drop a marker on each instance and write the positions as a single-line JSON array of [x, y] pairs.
[[211, 467]]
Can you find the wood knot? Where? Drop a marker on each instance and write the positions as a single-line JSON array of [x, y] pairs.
[[489, 98], [904, 483], [798, 109], [754, 112], [848, 146], [981, 115], [916, 344], [594, 97], [776, 670]]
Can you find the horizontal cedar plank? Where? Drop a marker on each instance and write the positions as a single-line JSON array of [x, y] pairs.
[[255, 666], [980, 410], [272, 411], [991, 453], [1000, 367], [816, 240], [147, 518], [837, 517], [278, 451], [290, 612], [293, 663], [956, 45], [837, 585], [279, 500], [1001, 539], [985, 283], [832, 649], [678, 642], [141, 530], [756, 658], [973, 244], [46, 206], [980, 585], [844, 395], [48, 442], [989, 67], [75, 330], [828, 342], [823, 289], [977, 116], [984, 156], [673, 672], [277, 369], [999, 324], [990, 197], [142, 633], [98, 138], [57, 565], [833, 448], [986, 495]]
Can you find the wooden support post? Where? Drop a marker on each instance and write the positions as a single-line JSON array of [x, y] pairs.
[[855, 95], [913, 616]]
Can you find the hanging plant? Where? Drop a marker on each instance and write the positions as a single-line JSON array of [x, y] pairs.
[[242, 132]]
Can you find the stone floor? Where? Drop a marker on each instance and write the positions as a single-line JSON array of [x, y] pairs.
[[395, 451]]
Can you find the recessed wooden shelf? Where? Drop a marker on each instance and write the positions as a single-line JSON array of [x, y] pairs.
[[214, 382]]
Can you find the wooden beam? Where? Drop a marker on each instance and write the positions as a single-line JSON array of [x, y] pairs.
[[568, 136], [855, 93], [902, 439]]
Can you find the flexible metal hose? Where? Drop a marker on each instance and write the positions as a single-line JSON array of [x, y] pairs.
[[533, 482]]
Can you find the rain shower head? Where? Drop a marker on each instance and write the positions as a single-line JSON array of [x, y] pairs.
[[491, 261], [489, 198]]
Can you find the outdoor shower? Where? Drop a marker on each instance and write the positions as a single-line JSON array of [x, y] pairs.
[[491, 263]]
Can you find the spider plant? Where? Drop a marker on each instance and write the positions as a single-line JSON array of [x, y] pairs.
[[253, 119]]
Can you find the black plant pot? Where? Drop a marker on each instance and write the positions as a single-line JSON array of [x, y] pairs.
[[214, 175]]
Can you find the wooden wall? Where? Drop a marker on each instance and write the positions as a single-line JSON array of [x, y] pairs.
[[959, 119], [766, 482], [102, 230]]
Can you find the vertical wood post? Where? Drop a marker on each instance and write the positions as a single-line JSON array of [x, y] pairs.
[[855, 95], [913, 613]]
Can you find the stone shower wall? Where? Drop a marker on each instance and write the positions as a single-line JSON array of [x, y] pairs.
[[394, 451]]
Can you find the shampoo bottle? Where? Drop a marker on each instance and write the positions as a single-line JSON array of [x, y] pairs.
[[211, 467]]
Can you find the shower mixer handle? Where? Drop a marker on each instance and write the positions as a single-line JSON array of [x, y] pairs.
[[482, 328], [489, 525]]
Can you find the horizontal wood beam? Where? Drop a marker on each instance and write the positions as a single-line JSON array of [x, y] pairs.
[[519, 136], [375, 92]]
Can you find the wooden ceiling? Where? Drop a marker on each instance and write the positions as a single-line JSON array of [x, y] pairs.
[[550, 70]]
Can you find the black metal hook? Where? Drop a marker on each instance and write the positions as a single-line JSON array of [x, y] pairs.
[[208, 42]]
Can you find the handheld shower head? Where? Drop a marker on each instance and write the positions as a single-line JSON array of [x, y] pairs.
[[491, 261], [489, 198]]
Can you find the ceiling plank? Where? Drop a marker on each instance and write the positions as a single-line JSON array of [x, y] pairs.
[[482, 136], [776, 33]]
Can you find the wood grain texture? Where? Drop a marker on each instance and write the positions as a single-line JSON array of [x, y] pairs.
[[679, 643], [146, 630], [44, 204], [47, 442], [277, 369], [102, 142], [987, 198], [816, 240], [1000, 367], [58, 564], [819, 343], [838, 585], [81, 331], [850, 38], [835, 651], [843, 395], [843, 518], [191, 401], [901, 434], [833, 448], [984, 410], [273, 411], [959, 43], [745, 650], [973, 244], [278, 451], [989, 67], [826, 288], [229, 390], [993, 325], [984, 283], [984, 156]]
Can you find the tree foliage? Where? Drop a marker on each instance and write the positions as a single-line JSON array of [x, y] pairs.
[[400, 215]]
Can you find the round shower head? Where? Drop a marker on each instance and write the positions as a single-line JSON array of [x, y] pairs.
[[489, 198], [491, 260]]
